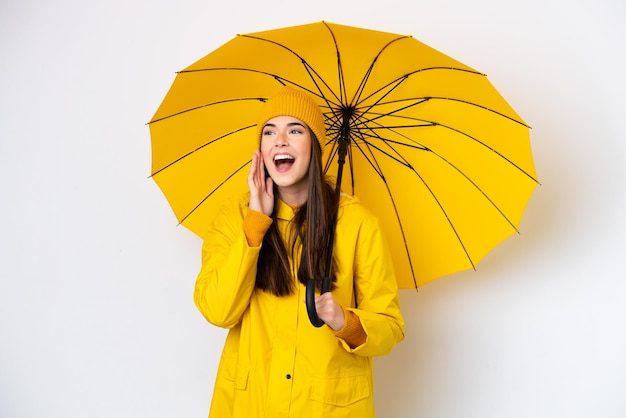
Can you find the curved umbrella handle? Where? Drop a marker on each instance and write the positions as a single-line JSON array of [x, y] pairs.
[[310, 300]]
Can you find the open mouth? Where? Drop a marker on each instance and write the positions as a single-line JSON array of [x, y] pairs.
[[283, 161]]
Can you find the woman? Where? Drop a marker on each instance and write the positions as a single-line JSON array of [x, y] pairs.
[[259, 254]]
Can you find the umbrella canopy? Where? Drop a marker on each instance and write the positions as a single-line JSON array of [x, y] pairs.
[[432, 148]]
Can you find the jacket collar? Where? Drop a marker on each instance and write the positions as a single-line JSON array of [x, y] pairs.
[[287, 213], [284, 211]]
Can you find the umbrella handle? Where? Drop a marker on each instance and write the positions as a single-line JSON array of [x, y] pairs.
[[344, 139], [310, 300]]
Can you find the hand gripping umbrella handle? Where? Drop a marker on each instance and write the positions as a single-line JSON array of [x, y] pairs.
[[310, 300]]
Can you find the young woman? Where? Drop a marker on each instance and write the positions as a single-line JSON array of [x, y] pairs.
[[259, 254]]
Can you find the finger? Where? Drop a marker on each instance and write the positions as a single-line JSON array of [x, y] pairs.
[[256, 163], [325, 297], [324, 303], [254, 168], [257, 172], [269, 186]]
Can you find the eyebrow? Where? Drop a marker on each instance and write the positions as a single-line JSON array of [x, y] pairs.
[[289, 124]]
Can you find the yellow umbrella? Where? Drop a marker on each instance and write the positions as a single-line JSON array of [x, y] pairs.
[[431, 147]]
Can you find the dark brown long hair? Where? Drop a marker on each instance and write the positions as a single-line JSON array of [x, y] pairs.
[[309, 229]]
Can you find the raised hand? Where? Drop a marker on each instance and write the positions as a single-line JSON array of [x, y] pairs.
[[261, 188]]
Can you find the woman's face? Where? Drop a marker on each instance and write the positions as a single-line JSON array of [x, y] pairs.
[[286, 150]]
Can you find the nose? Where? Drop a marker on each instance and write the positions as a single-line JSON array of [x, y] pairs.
[[281, 139]]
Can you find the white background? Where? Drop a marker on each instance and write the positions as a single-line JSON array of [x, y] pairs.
[[96, 279]]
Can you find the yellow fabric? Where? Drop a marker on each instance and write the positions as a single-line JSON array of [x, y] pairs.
[[255, 225], [274, 362], [435, 152], [352, 332], [295, 103]]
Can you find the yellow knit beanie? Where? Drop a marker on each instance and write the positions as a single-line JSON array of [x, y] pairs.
[[297, 104]]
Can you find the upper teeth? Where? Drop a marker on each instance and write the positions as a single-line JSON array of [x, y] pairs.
[[283, 157]]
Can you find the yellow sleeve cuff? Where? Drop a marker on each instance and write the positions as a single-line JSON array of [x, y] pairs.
[[255, 225], [352, 332]]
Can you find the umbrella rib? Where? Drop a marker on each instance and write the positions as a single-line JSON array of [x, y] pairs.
[[199, 148], [452, 99], [369, 71], [342, 91], [191, 109], [213, 191], [329, 116], [430, 191], [342, 83], [392, 85], [364, 80], [388, 142], [419, 100], [508, 160], [310, 70], [302, 60], [398, 158], [396, 82], [427, 123], [376, 167], [333, 153]]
